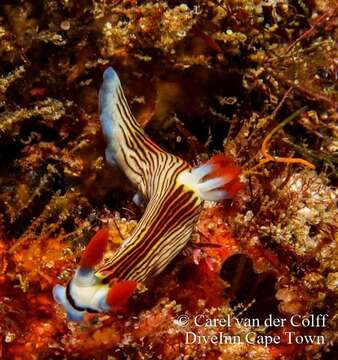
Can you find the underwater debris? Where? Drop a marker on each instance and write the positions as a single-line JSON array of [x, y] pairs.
[[6, 81], [10, 122]]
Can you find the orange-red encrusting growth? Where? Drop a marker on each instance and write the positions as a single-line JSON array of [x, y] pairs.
[[93, 253], [225, 167]]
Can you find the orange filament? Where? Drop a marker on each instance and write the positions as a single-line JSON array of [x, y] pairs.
[[265, 147]]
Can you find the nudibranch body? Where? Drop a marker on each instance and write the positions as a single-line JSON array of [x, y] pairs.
[[174, 192]]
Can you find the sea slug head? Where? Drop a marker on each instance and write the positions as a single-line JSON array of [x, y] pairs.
[[60, 296], [77, 299], [85, 292]]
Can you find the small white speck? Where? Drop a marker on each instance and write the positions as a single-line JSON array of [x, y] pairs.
[[65, 25]]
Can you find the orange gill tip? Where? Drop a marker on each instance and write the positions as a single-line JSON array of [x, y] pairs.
[[120, 292], [224, 167], [93, 253]]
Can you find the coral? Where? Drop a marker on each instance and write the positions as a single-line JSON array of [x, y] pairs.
[[252, 79]]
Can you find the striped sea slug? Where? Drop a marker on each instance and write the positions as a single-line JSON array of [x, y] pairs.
[[174, 193]]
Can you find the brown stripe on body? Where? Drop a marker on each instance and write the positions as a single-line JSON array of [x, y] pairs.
[[164, 219], [152, 239], [169, 218], [167, 247], [147, 221]]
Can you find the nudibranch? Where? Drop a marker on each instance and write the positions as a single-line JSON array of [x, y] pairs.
[[174, 192]]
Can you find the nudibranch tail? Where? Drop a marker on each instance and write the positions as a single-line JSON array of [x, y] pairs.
[[95, 249], [216, 180], [128, 146], [108, 98]]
